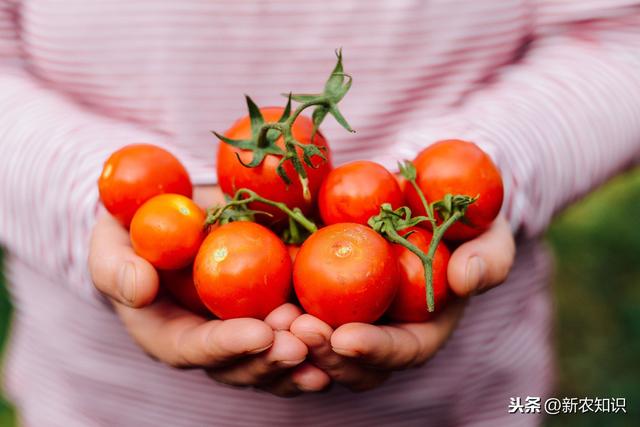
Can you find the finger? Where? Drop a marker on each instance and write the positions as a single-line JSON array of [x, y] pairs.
[[484, 262], [286, 352], [182, 339], [310, 378], [289, 384], [115, 268], [281, 387], [282, 317], [316, 334], [397, 346]]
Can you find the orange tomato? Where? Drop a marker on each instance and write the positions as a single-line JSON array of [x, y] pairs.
[[167, 231]]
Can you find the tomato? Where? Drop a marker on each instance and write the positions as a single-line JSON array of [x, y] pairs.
[[264, 179], [402, 182], [179, 284], [242, 270], [354, 192], [293, 251], [136, 173], [167, 231], [459, 167], [345, 273], [410, 302]]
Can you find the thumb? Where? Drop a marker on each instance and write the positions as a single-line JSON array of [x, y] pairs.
[[115, 268], [484, 262]]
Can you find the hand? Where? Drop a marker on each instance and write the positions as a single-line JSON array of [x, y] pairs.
[[362, 356], [241, 352]]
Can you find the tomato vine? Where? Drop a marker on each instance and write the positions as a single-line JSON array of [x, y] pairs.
[[389, 222], [236, 209], [264, 135]]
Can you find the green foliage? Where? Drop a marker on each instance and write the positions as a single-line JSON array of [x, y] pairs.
[[597, 291], [7, 414]]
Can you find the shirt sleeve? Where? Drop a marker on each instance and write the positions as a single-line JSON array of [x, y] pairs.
[[562, 119], [51, 154]]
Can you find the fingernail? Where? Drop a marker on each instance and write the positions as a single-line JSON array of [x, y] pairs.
[[289, 363], [476, 268], [345, 352], [127, 283], [260, 350]]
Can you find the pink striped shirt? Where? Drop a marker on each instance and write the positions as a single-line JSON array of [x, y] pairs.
[[549, 88]]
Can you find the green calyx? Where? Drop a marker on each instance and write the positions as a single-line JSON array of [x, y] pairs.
[[389, 222], [237, 209], [264, 135]]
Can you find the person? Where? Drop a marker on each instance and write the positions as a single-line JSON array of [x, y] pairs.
[[549, 89]]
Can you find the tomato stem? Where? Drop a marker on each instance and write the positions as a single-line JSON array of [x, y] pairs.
[[427, 207], [388, 222], [262, 143], [427, 262], [239, 199]]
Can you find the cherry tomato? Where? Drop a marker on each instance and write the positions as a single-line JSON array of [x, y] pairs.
[[264, 179], [410, 302], [242, 270], [459, 167], [293, 251], [167, 231], [354, 192], [345, 273], [402, 182], [136, 173], [179, 284]]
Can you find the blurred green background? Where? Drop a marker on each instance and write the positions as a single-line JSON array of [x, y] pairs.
[[597, 291]]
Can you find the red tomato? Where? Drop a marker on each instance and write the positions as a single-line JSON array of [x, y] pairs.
[[355, 191], [345, 273], [410, 303], [293, 251], [402, 182], [179, 284], [167, 231], [136, 173], [242, 270], [458, 167], [264, 179]]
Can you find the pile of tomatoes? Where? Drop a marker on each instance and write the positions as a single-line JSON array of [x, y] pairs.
[[352, 243]]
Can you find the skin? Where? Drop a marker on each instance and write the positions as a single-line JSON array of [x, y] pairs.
[[362, 356], [242, 352], [357, 355]]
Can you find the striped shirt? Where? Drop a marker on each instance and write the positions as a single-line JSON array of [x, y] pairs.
[[549, 88]]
